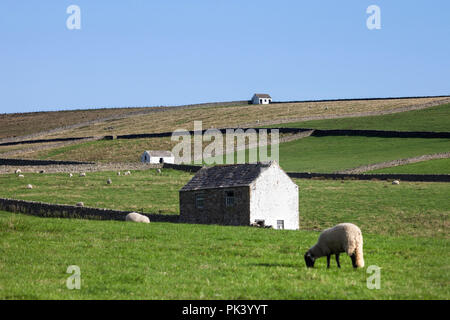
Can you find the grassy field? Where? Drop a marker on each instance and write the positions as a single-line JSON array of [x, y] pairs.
[[229, 115], [431, 119], [405, 231], [314, 154], [121, 260], [421, 208], [330, 154], [437, 166], [147, 190]]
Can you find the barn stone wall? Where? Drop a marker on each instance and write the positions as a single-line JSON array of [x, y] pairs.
[[215, 210]]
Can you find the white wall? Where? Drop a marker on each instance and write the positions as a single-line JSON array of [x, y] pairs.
[[255, 100], [156, 159], [274, 196]]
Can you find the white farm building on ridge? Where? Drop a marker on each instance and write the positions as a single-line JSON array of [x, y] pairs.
[[261, 98], [156, 156]]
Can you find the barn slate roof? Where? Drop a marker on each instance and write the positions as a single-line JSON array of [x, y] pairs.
[[263, 95], [159, 153], [225, 176]]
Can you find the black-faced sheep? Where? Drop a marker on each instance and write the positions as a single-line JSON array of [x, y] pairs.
[[344, 237]]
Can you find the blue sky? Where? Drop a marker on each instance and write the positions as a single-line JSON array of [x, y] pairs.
[[148, 53]]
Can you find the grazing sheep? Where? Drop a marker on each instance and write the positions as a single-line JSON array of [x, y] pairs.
[[118, 173], [80, 204], [127, 173], [395, 182], [109, 181], [21, 176], [70, 175], [344, 237], [18, 171], [83, 174], [136, 217], [158, 171], [29, 186]]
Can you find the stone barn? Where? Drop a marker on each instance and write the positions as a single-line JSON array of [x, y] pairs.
[[156, 156], [241, 195], [261, 98]]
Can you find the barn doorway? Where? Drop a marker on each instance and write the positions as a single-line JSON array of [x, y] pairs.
[[161, 160]]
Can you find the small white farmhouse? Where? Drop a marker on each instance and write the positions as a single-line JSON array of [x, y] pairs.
[[261, 98], [157, 156]]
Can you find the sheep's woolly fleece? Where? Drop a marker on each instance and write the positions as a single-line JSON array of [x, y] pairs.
[[344, 237], [136, 217]]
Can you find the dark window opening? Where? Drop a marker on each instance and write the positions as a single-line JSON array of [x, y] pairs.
[[280, 224], [199, 201], [229, 199], [161, 160]]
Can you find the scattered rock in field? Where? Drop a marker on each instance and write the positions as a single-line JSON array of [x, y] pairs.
[[21, 176], [109, 181], [29, 186], [395, 182], [136, 217], [80, 204]]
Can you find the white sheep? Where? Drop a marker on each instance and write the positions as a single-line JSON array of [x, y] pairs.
[[127, 173], [344, 237], [136, 217], [395, 182], [18, 171], [83, 174], [70, 175], [80, 204], [21, 176], [118, 173], [109, 181], [29, 186]]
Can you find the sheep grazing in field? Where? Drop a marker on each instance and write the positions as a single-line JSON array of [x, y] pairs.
[[395, 182], [21, 176], [70, 175], [18, 171], [109, 181], [136, 217], [118, 173], [80, 204], [344, 237], [29, 186], [83, 174], [158, 171], [127, 173]]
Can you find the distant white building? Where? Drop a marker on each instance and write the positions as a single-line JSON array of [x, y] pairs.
[[261, 98], [157, 156]]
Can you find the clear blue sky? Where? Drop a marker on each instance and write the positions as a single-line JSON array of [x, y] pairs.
[[155, 52]]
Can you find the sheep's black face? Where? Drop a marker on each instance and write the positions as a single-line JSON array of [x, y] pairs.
[[309, 260]]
